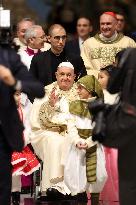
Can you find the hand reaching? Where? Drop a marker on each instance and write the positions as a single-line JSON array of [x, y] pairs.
[[6, 76], [82, 145]]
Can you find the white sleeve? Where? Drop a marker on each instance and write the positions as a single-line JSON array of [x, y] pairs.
[[73, 131], [27, 130]]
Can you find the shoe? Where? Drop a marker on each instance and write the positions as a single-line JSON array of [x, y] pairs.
[[15, 198], [25, 190], [70, 197], [42, 199], [54, 194], [95, 198], [82, 197]]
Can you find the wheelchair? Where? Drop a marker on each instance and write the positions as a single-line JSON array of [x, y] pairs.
[[37, 177]]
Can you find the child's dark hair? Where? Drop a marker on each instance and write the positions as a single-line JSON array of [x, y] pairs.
[[109, 69], [120, 54]]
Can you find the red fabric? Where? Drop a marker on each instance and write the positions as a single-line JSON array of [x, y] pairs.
[[110, 13], [24, 162], [26, 181], [31, 52], [109, 193]]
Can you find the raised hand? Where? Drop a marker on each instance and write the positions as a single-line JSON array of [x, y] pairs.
[[53, 98]]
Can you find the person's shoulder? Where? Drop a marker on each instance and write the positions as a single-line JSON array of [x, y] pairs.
[[75, 103], [48, 88], [73, 55], [10, 53], [72, 41], [92, 38], [11, 57], [128, 41], [127, 38], [23, 53], [76, 60], [41, 55], [71, 46], [76, 107], [46, 47]]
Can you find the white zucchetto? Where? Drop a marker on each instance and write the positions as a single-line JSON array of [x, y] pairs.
[[66, 64]]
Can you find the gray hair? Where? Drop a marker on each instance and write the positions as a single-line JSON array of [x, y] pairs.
[[31, 32]]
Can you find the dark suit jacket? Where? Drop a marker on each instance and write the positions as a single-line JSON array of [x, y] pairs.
[[73, 46], [44, 65], [10, 126]]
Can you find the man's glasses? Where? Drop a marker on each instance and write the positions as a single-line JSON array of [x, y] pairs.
[[57, 38]]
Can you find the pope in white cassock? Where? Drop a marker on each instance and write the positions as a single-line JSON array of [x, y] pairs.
[[49, 125]]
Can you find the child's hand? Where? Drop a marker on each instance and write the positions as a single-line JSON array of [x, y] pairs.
[[82, 145]]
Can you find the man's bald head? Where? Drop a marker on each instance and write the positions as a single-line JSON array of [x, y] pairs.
[[108, 23], [57, 38], [55, 27]]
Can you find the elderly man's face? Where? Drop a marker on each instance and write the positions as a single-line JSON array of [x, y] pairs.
[[38, 41], [107, 25], [22, 27], [65, 78]]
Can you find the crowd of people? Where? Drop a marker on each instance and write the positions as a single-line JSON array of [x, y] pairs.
[[57, 128]]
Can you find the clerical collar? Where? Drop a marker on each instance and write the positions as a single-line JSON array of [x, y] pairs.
[[31, 51], [111, 39], [56, 54]]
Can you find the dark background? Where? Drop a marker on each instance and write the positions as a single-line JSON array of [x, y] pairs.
[[66, 12]]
